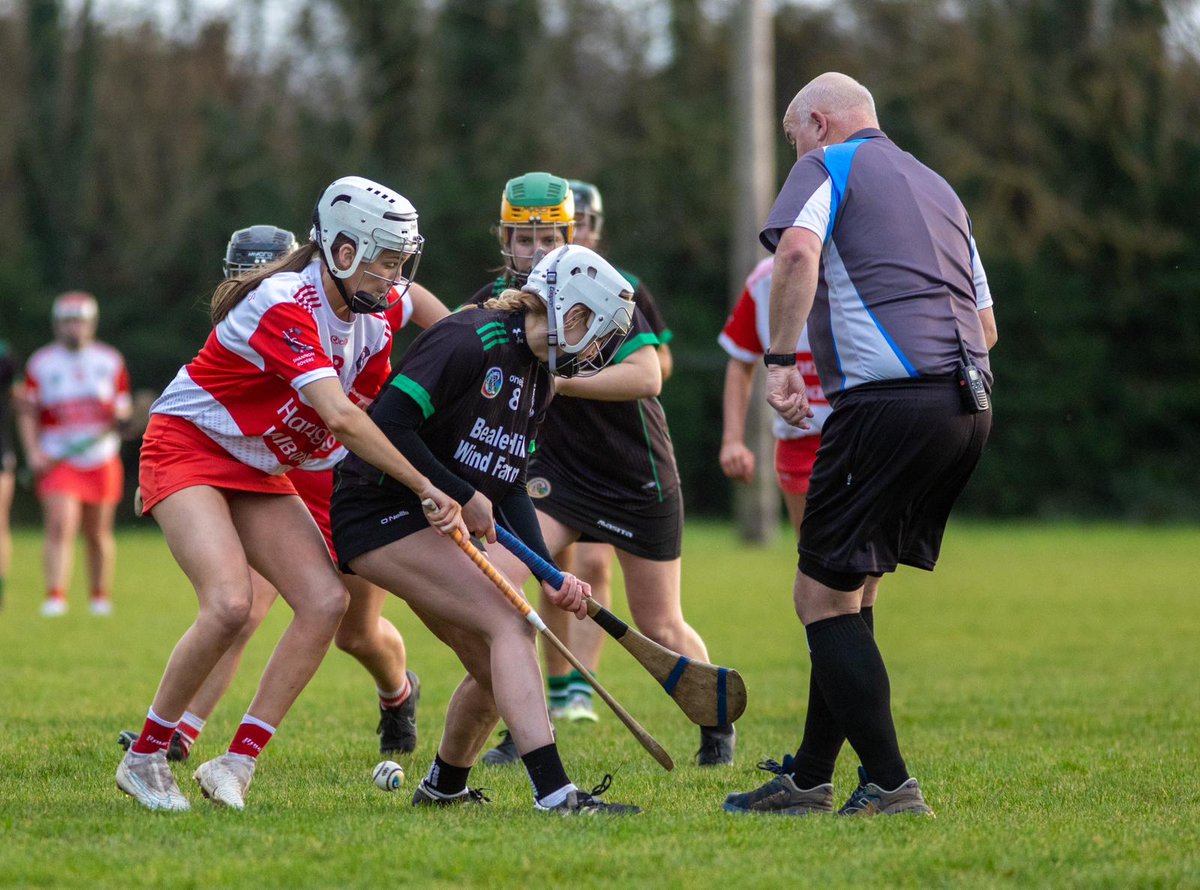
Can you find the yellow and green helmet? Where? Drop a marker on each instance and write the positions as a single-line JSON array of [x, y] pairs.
[[534, 201]]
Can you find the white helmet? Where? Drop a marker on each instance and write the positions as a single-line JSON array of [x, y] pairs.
[[374, 219], [571, 276]]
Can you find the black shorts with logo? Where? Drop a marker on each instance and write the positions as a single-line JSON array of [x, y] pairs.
[[651, 529], [365, 517], [894, 457]]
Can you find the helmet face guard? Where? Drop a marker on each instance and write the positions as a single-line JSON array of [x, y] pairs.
[[373, 219], [541, 206], [256, 246], [575, 278]]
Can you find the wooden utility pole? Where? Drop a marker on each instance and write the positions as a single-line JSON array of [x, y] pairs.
[[754, 119]]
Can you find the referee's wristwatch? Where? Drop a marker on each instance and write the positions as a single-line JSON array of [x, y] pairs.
[[784, 359]]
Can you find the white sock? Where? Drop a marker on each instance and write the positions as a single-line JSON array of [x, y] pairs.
[[196, 723], [554, 798]]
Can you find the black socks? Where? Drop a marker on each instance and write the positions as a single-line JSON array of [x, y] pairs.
[[849, 693], [545, 770], [447, 779]]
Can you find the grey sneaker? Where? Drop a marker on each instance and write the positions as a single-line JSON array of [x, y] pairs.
[[781, 796], [397, 727], [148, 780], [225, 779], [504, 753], [716, 746], [588, 803], [425, 796], [869, 799]]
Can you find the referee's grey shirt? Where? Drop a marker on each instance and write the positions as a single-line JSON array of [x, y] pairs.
[[899, 270]]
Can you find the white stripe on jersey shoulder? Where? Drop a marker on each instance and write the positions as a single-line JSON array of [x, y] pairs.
[[737, 352], [814, 215]]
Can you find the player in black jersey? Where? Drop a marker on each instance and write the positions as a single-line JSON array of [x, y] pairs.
[[605, 472], [8, 460], [591, 561], [464, 405]]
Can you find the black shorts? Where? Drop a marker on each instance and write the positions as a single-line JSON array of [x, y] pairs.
[[365, 517], [649, 529], [894, 457]]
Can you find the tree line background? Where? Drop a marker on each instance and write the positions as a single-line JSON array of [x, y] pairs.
[[129, 152]]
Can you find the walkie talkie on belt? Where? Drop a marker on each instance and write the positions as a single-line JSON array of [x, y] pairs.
[[971, 388]]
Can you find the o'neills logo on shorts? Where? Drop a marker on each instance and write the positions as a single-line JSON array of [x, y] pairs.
[[538, 487], [393, 517], [492, 382]]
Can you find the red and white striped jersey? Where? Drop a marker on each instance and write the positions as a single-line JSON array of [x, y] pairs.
[[401, 313], [746, 334], [78, 395], [243, 388]]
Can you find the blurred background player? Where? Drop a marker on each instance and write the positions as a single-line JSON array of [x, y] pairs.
[[604, 471], [275, 385], [745, 332], [8, 461], [570, 695], [364, 633], [75, 397]]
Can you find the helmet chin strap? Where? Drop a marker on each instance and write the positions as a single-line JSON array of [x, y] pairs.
[[567, 369], [361, 302]]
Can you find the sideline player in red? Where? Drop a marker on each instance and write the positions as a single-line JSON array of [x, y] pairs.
[[745, 332], [76, 395], [363, 633], [277, 383], [464, 406]]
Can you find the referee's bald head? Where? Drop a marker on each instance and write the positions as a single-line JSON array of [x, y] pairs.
[[842, 101]]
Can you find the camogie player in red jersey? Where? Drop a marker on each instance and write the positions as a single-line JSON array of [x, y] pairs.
[[278, 383], [743, 338], [76, 395], [363, 633]]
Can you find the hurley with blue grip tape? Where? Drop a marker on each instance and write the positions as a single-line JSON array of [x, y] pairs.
[[708, 694]]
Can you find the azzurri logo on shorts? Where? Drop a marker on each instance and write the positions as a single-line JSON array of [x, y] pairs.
[[493, 381]]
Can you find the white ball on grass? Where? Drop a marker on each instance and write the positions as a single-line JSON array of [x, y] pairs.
[[388, 775]]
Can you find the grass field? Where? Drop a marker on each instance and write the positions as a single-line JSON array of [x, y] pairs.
[[1044, 680]]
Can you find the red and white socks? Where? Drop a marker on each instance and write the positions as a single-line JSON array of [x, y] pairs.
[[390, 700], [189, 730], [251, 737], [155, 737]]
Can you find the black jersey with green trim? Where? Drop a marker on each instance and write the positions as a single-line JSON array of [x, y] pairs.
[[614, 450], [646, 302], [482, 393]]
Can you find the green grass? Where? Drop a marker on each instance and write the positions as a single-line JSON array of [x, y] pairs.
[[1044, 683]]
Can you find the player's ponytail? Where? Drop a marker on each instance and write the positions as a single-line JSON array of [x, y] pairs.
[[514, 300]]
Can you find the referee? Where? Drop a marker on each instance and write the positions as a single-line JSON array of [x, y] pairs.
[[874, 250]]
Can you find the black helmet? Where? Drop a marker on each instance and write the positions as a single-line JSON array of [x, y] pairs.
[[256, 246], [588, 203]]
